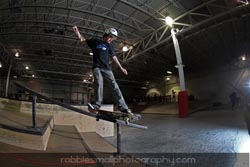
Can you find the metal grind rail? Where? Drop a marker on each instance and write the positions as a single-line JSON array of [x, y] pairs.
[[118, 122]]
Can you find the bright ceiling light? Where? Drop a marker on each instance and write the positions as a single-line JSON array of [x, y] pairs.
[[243, 58], [33, 76], [125, 48], [91, 54], [17, 54], [169, 21], [27, 67], [0, 65], [169, 72]]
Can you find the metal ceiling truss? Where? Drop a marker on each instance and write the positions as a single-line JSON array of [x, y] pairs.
[[5, 57], [62, 67], [39, 25], [7, 60], [73, 15], [38, 22], [196, 17]]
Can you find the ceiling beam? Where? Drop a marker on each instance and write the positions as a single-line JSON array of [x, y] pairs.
[[139, 48]]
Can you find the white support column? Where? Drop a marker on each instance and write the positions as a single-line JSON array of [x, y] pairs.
[[8, 79], [179, 60]]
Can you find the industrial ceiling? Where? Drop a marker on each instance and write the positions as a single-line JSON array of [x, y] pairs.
[[210, 33]]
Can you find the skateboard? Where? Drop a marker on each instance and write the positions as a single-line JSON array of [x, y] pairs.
[[113, 116]]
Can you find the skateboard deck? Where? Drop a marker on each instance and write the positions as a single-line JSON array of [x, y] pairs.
[[113, 116]]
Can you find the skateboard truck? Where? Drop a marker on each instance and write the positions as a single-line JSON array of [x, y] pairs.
[[126, 120]]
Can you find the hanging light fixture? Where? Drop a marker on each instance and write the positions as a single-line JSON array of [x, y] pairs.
[[125, 48], [243, 58], [169, 72], [169, 21], [17, 54]]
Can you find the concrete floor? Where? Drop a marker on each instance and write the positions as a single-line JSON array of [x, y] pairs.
[[216, 133], [215, 137]]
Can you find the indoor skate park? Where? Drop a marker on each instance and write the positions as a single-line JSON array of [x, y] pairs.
[[187, 64]]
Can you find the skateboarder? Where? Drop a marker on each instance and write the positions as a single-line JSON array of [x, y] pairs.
[[102, 49]]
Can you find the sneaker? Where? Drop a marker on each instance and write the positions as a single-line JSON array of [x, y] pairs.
[[128, 115], [128, 111], [94, 106]]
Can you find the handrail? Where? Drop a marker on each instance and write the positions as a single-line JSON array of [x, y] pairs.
[[77, 109], [54, 101], [117, 121]]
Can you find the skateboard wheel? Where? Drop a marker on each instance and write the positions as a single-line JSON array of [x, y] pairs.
[[126, 120]]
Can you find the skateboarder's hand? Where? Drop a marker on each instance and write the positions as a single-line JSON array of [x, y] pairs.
[[82, 39], [75, 29], [124, 71]]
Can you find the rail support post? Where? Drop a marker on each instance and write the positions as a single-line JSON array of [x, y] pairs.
[[119, 134], [34, 97]]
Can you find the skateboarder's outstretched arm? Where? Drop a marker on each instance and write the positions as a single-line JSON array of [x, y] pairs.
[[81, 38], [119, 64]]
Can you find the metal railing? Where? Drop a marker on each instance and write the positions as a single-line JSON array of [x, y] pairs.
[[35, 94]]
